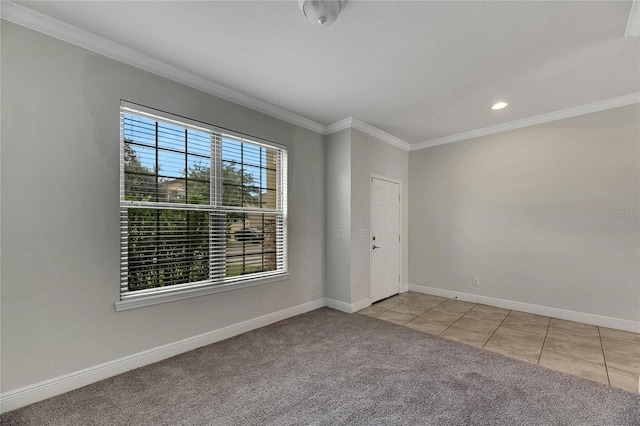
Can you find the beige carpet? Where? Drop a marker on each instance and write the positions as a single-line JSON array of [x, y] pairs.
[[327, 367]]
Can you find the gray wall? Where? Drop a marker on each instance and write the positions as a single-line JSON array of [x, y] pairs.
[[371, 155], [525, 211], [338, 214], [60, 227], [352, 156]]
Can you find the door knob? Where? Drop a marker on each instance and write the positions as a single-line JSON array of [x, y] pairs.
[[375, 247]]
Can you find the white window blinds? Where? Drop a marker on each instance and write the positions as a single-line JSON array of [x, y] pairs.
[[199, 206]]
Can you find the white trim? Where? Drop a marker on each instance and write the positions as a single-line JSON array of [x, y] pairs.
[[354, 123], [30, 394], [632, 98], [338, 305], [404, 287], [361, 304], [17, 398], [599, 320], [37, 21], [338, 126], [379, 134], [26, 17], [633, 24], [187, 293], [349, 308], [387, 179]]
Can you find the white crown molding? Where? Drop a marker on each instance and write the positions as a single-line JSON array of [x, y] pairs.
[[42, 23], [633, 24], [354, 123], [52, 27], [21, 397], [632, 98], [338, 125], [599, 320], [377, 133]]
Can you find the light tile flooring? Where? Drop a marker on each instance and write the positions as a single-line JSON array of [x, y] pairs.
[[596, 353]]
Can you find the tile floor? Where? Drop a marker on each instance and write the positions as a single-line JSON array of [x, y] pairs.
[[596, 353]]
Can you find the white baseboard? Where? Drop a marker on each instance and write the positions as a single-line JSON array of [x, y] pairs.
[[338, 305], [404, 288], [347, 307], [364, 303], [599, 320], [24, 396]]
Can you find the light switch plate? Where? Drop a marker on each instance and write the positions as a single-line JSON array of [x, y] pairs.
[[363, 233]]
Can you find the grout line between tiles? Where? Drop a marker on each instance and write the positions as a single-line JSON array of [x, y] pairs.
[[604, 357], [441, 302], [545, 341], [451, 325], [499, 325], [403, 303], [502, 322]]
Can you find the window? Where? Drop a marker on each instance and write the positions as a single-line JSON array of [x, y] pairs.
[[200, 207]]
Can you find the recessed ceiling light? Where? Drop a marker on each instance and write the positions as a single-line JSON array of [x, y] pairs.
[[499, 105]]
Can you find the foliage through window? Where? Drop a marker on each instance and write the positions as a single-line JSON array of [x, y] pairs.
[[199, 206]]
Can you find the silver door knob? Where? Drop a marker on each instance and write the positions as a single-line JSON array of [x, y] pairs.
[[375, 247]]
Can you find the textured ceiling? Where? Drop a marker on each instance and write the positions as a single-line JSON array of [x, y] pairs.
[[417, 70]]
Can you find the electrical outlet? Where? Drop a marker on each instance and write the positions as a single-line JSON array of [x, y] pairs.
[[313, 285], [475, 281], [340, 233]]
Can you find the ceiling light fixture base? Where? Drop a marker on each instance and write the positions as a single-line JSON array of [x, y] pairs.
[[321, 12]]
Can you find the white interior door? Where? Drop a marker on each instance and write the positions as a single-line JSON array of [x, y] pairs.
[[385, 239]]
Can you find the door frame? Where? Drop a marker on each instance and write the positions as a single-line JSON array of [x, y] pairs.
[[399, 182]]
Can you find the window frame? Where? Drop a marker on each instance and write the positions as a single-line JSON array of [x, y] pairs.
[[151, 296]]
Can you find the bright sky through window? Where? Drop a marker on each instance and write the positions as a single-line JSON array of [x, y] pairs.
[[198, 207]]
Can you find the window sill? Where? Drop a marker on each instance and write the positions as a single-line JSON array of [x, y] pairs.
[[156, 299]]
